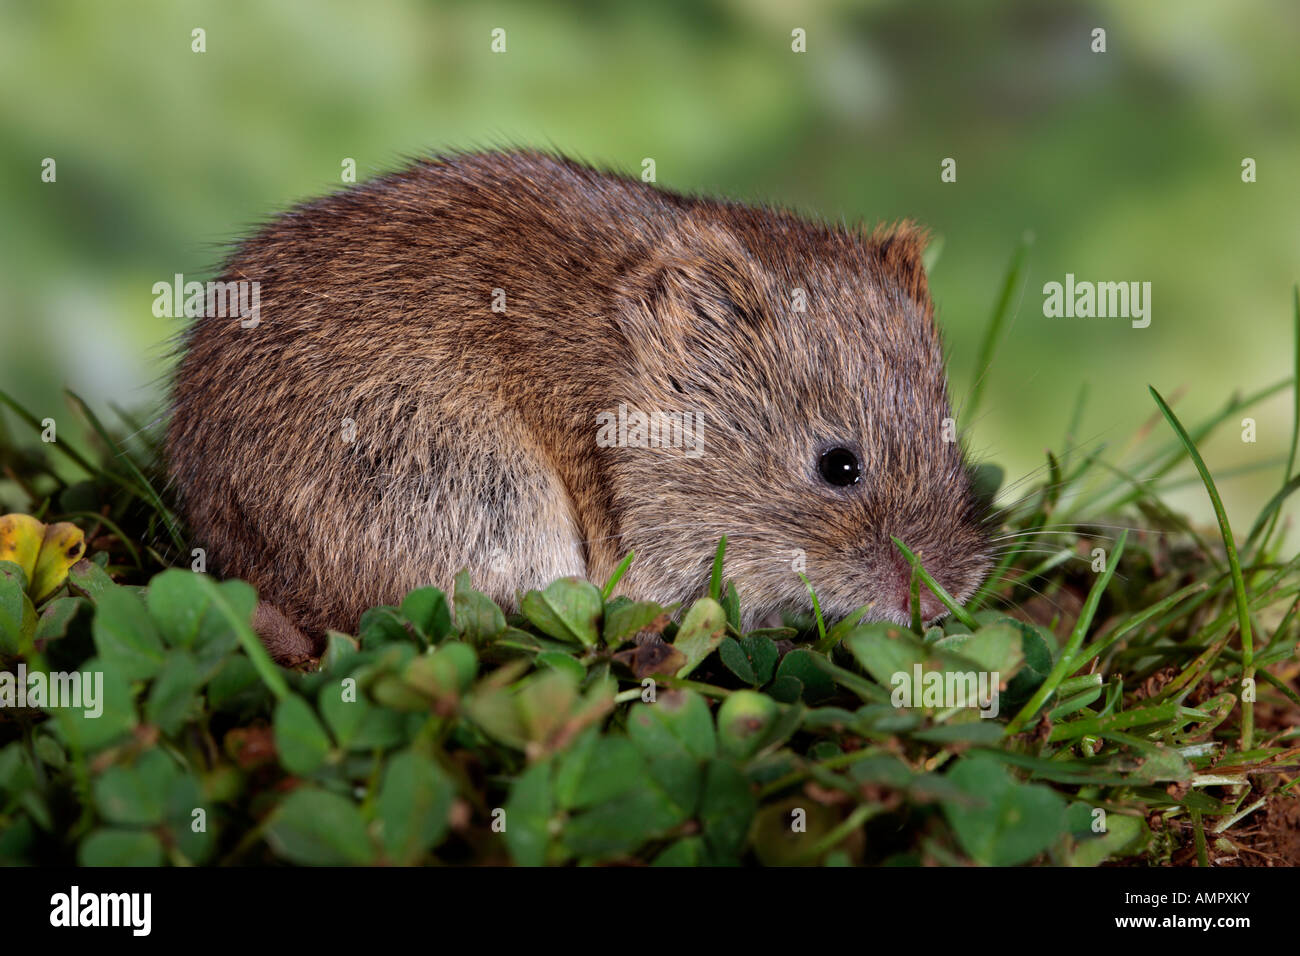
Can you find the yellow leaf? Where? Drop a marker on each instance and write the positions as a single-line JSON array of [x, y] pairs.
[[20, 541], [63, 546]]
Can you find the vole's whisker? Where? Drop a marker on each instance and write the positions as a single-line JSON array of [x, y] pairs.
[[1039, 489], [1030, 587], [1076, 529], [999, 553], [1009, 511]]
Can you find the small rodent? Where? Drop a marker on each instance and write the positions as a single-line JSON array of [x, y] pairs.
[[438, 350]]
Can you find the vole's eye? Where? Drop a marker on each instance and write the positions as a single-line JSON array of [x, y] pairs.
[[839, 466]]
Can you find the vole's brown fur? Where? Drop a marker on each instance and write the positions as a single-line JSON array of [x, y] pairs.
[[475, 430]]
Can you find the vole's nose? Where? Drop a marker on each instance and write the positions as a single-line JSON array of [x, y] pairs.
[[931, 606]]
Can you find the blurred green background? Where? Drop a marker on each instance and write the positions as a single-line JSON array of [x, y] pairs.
[[1125, 165]]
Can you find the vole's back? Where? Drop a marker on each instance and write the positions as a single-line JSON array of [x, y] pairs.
[[379, 424]]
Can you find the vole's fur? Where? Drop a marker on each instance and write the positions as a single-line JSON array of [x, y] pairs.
[[382, 427]]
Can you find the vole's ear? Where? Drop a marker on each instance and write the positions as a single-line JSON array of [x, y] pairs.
[[699, 289], [899, 249]]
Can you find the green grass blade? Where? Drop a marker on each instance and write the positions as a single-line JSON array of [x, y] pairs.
[[1065, 664], [1269, 513], [90, 517], [917, 627], [1295, 416], [1133, 623], [617, 576], [62, 447], [993, 333], [144, 489], [1168, 457], [1072, 429], [1238, 581], [248, 639], [935, 587], [1163, 510], [817, 612], [715, 579]]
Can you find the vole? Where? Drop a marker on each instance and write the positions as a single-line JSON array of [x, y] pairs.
[[441, 358]]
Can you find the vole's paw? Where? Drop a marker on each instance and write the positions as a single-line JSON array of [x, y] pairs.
[[287, 645]]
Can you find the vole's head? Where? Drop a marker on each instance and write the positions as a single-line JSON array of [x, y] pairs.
[[810, 362]]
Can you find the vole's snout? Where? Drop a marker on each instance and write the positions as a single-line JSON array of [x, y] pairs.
[[931, 607], [898, 594]]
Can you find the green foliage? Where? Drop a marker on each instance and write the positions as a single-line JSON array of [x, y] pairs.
[[444, 745], [590, 728]]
